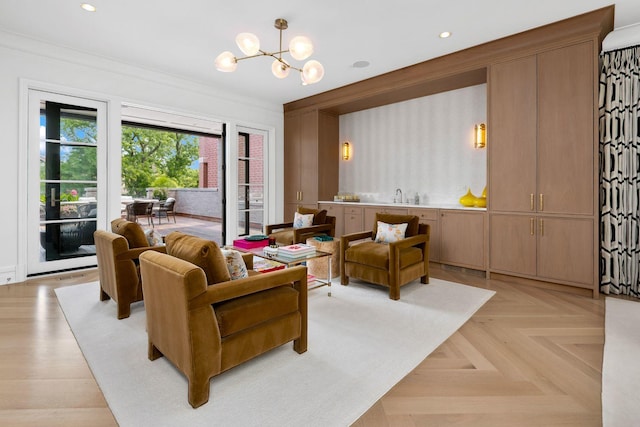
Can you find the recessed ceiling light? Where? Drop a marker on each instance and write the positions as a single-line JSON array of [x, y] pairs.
[[361, 64], [88, 7], [445, 34]]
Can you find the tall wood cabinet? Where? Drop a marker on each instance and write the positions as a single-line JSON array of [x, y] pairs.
[[542, 166], [311, 155]]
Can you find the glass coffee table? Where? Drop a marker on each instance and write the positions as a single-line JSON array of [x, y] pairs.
[[313, 282]]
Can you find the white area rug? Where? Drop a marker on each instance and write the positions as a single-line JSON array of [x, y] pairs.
[[621, 366], [361, 343]]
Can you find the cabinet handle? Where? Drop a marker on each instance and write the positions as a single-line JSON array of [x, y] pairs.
[[53, 197], [541, 202], [542, 227], [301, 198], [532, 226], [532, 201]]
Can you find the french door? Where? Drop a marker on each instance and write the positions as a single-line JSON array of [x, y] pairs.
[[66, 166]]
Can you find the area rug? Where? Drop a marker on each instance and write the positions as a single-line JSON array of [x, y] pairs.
[[620, 367], [361, 343]]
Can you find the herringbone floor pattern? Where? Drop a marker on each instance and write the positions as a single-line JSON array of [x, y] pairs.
[[528, 357]]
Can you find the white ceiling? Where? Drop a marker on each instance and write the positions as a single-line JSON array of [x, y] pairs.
[[182, 38]]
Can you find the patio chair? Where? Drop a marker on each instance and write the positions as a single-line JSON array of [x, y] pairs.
[[166, 208], [140, 209]]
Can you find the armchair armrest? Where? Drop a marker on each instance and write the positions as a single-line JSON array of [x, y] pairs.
[[241, 287], [247, 257], [135, 253], [409, 241], [270, 228], [301, 234], [346, 238]]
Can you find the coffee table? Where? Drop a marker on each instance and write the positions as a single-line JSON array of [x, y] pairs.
[[290, 262]]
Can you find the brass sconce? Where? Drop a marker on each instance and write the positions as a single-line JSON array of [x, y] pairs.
[[346, 151], [480, 140]]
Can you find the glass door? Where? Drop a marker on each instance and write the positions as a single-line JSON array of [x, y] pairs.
[[65, 198], [251, 178]]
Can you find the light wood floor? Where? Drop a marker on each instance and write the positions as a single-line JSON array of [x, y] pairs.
[[528, 357]]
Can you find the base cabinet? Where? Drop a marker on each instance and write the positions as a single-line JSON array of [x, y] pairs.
[[353, 220], [556, 249], [430, 216], [462, 238], [338, 212]]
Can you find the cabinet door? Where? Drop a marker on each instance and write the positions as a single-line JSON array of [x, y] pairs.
[[566, 167], [566, 250], [292, 138], [513, 244], [430, 216], [511, 135], [462, 238], [352, 220], [338, 212], [308, 158]]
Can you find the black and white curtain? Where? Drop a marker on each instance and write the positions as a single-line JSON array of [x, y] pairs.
[[620, 172]]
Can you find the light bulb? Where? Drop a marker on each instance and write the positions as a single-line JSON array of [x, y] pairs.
[[279, 69], [248, 43], [300, 48], [312, 72], [226, 62]]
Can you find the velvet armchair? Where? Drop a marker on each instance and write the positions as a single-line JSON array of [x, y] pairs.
[[205, 323], [391, 264], [287, 233], [118, 270]]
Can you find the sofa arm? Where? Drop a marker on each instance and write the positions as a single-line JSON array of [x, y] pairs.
[[240, 287]]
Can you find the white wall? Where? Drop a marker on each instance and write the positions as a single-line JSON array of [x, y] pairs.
[[424, 145], [22, 58]]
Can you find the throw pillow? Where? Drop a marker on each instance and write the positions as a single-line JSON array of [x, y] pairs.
[[389, 233], [235, 264], [153, 237], [302, 220], [319, 216]]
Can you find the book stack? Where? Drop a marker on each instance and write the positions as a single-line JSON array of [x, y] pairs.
[[299, 250]]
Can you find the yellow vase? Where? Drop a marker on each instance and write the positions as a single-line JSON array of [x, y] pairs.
[[468, 199], [481, 202]]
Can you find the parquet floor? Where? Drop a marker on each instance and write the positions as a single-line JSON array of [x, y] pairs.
[[529, 357]]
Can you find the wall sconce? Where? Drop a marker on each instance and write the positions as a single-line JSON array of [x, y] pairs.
[[480, 140], [346, 151]]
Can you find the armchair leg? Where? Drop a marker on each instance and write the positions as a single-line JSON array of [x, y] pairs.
[[103, 295], [424, 279], [198, 392], [394, 293], [124, 310], [344, 279], [152, 352]]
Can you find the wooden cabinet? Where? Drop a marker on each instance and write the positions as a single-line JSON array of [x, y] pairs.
[[462, 238], [337, 211], [353, 219], [430, 216], [542, 166], [311, 150], [557, 249]]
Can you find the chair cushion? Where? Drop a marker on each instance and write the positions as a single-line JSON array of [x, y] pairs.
[[319, 216], [411, 220], [245, 312], [284, 237], [377, 255], [204, 253], [131, 231]]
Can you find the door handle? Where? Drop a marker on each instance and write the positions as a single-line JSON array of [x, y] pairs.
[[532, 226], [532, 207], [53, 197], [541, 202], [542, 227]]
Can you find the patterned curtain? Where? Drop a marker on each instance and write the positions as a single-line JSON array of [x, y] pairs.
[[620, 172]]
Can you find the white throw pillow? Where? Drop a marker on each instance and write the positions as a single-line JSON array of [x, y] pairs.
[[389, 233], [302, 220], [153, 238], [235, 264]]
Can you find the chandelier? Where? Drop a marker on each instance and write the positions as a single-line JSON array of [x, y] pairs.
[[300, 48]]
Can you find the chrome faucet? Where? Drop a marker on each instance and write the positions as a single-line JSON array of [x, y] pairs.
[[395, 200]]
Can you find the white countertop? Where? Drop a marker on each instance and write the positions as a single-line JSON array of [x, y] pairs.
[[408, 205]]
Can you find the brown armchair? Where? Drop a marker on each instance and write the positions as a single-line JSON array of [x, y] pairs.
[[388, 264], [205, 328], [118, 270], [286, 234]]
